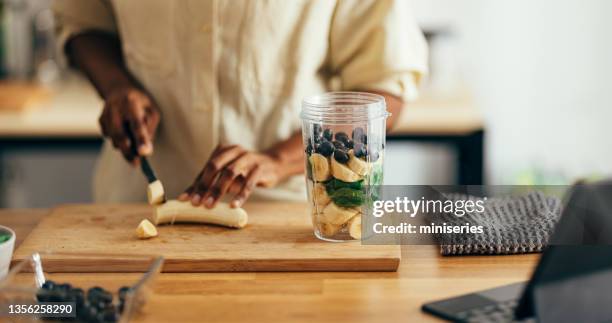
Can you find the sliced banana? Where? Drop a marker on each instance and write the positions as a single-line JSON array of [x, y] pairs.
[[320, 167], [342, 172], [320, 195], [328, 229], [358, 165], [354, 227], [146, 230], [333, 214]]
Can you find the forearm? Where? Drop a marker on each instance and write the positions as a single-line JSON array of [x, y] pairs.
[[290, 155], [99, 56], [394, 106]]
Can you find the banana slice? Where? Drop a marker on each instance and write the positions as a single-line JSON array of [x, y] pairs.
[[354, 227], [320, 167], [328, 229], [146, 230], [343, 173], [333, 214], [320, 195], [358, 165]]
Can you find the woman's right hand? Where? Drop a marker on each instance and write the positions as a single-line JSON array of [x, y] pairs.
[[130, 108]]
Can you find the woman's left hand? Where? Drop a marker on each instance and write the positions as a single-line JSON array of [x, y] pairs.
[[233, 170]]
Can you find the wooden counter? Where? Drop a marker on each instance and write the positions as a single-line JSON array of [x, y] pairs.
[[423, 276]]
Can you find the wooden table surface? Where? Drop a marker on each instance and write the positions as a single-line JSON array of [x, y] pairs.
[[423, 276]]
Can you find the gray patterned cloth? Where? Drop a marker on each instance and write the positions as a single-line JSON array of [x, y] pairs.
[[512, 225]]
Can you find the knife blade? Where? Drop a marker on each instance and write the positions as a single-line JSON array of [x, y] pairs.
[[154, 183]]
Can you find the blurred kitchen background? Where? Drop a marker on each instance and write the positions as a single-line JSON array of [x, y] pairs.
[[519, 93]]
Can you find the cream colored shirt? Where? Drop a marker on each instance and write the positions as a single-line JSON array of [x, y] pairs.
[[235, 72]]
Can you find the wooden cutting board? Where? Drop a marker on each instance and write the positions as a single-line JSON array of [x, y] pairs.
[[279, 237]]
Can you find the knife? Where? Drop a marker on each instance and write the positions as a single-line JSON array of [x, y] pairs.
[[155, 190]]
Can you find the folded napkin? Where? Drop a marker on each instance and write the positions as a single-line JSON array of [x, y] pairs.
[[511, 225]]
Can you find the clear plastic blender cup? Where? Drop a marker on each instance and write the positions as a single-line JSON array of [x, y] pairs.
[[344, 139]]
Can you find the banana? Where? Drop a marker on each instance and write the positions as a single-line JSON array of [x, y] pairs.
[[354, 227], [146, 230], [179, 211], [320, 196], [357, 165], [320, 167], [342, 172], [333, 214], [155, 193], [328, 229]]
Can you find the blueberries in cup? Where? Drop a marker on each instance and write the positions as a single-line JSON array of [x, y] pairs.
[[349, 144], [328, 134], [341, 156], [326, 148]]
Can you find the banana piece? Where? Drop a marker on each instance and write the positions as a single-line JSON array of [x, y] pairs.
[[328, 229], [342, 172], [358, 165], [179, 211], [155, 193], [146, 230], [320, 167], [333, 214], [354, 227], [320, 196]]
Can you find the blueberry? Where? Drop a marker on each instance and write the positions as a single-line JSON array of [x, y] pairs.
[[341, 136], [308, 149], [78, 296], [123, 291], [57, 296], [316, 130], [341, 156], [64, 287], [359, 150], [328, 134], [109, 315], [339, 145], [48, 284], [326, 148], [349, 144], [42, 295], [358, 134]]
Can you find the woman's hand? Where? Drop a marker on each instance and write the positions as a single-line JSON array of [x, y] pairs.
[[234, 170], [128, 108]]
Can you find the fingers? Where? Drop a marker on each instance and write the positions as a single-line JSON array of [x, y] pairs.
[[219, 160], [226, 179], [136, 120], [247, 187]]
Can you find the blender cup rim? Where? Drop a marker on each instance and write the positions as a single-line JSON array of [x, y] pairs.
[[344, 107]]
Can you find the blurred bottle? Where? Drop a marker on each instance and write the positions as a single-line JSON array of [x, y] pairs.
[[28, 42]]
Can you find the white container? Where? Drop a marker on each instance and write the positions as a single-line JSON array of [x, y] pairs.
[[6, 251]]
